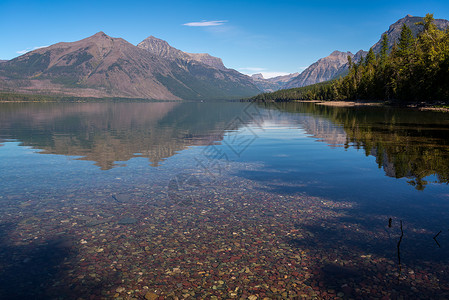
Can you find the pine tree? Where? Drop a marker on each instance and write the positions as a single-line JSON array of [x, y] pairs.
[[350, 63], [370, 57], [406, 41], [384, 49], [416, 69]]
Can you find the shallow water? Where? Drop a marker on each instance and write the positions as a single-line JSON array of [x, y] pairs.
[[226, 200]]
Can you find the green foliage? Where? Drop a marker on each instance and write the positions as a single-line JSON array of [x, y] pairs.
[[201, 83], [384, 49], [415, 70], [406, 41], [17, 97], [26, 65], [318, 91], [370, 58]]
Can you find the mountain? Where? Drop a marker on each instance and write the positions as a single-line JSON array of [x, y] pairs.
[[208, 60], [102, 66], [163, 49], [394, 31], [271, 84], [324, 69], [336, 64]]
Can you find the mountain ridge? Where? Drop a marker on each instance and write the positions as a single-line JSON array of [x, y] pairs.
[[164, 49], [102, 66], [324, 69], [394, 30], [273, 83]]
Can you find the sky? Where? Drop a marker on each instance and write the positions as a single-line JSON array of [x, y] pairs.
[[269, 37]]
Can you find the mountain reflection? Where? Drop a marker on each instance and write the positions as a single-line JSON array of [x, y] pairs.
[[111, 132], [406, 143]]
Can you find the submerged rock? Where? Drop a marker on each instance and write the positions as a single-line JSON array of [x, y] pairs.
[[127, 221]]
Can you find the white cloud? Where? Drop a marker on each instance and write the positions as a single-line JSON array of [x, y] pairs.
[[267, 75], [252, 69], [30, 49], [204, 23]]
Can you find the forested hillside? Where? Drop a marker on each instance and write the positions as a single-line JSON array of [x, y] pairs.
[[416, 69]]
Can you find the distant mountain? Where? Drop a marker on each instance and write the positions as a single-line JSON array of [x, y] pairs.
[[394, 32], [271, 84], [336, 64], [324, 69], [163, 49], [208, 60], [102, 66]]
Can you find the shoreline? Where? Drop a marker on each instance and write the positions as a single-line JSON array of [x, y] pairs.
[[348, 103], [427, 107], [379, 104]]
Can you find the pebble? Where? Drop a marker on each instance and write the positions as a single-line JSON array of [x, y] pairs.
[[151, 296]]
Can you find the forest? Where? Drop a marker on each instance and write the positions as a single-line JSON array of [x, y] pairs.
[[415, 70]]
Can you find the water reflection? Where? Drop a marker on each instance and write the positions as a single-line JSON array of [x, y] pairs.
[[406, 143], [291, 218], [110, 132]]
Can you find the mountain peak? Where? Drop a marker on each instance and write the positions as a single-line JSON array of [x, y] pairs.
[[154, 39], [101, 34], [102, 66], [258, 76], [208, 59], [324, 69], [273, 83], [162, 48], [340, 53], [336, 52], [394, 31]]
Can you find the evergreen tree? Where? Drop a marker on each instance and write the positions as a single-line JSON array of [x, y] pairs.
[[370, 58], [414, 70], [406, 41], [384, 48]]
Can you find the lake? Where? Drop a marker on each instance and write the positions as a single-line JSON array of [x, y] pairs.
[[134, 200]]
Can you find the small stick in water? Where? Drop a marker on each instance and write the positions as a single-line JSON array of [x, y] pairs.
[[435, 238], [389, 222]]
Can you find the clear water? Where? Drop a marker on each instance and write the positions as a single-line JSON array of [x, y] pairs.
[[226, 200]]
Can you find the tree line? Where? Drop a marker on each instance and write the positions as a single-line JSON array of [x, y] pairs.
[[416, 69]]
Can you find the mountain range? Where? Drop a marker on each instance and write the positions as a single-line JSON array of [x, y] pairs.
[[329, 67], [271, 84], [163, 49], [336, 64], [102, 66]]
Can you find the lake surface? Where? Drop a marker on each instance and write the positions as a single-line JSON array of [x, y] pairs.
[[222, 200]]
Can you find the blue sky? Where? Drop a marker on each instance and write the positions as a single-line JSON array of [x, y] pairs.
[[272, 37]]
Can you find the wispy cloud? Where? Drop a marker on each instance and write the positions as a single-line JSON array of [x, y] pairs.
[[205, 23], [273, 74], [266, 73], [252, 69], [30, 49]]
